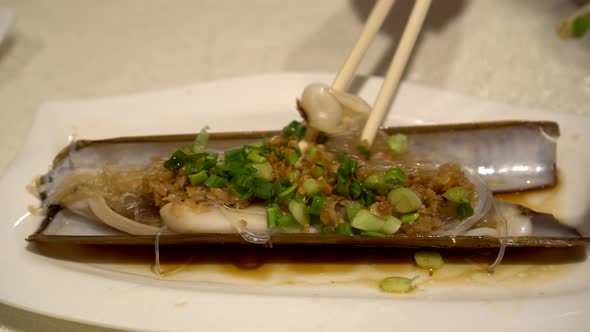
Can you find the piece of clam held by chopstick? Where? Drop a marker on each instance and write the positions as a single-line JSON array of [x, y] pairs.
[[104, 182]]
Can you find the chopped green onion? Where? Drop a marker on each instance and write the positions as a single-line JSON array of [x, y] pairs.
[[409, 217], [366, 221], [367, 196], [404, 200], [313, 152], [317, 204], [317, 171], [325, 230], [299, 211], [398, 143], [286, 220], [374, 234], [292, 157], [201, 141], [344, 229], [241, 183], [347, 167], [396, 285], [391, 225], [374, 182], [464, 210], [352, 208], [238, 155], [580, 26], [273, 213], [311, 187], [427, 259], [215, 181], [176, 161], [264, 171], [294, 128], [355, 189], [262, 189], [458, 195], [394, 177], [300, 198], [210, 160], [293, 176], [364, 151], [284, 188], [256, 158], [198, 178]]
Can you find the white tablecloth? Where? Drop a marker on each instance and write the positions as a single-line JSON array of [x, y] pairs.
[[498, 49]]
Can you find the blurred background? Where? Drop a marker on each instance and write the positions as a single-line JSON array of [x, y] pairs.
[[503, 50]]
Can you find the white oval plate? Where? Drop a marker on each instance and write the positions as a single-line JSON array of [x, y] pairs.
[[87, 293]]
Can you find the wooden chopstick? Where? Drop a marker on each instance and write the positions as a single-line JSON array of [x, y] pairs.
[[370, 30], [396, 68]]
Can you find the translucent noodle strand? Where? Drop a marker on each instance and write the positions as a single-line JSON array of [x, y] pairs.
[[157, 249]]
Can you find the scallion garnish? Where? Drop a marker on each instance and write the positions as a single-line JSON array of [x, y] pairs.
[[311, 187], [409, 217], [464, 210], [235, 155], [367, 196], [404, 200], [398, 143], [287, 220], [215, 181], [394, 177], [256, 158], [344, 229], [317, 171], [176, 161], [201, 141], [427, 259], [282, 191], [374, 182], [458, 195], [273, 213], [264, 171], [313, 152], [198, 178], [366, 221], [262, 189], [294, 128], [580, 26], [293, 176], [292, 157], [391, 225], [352, 208], [317, 204], [299, 212], [300, 198], [355, 189], [396, 285]]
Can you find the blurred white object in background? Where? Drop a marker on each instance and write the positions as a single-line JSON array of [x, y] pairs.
[[6, 20]]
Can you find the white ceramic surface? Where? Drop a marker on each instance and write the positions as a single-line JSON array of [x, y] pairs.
[[88, 293]]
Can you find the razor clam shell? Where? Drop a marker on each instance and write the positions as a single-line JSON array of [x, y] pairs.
[[482, 144], [509, 156], [547, 232]]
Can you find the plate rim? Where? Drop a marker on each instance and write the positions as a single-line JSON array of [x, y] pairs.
[[317, 302]]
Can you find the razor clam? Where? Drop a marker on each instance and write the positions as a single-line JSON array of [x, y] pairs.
[[510, 156], [83, 157], [61, 226]]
